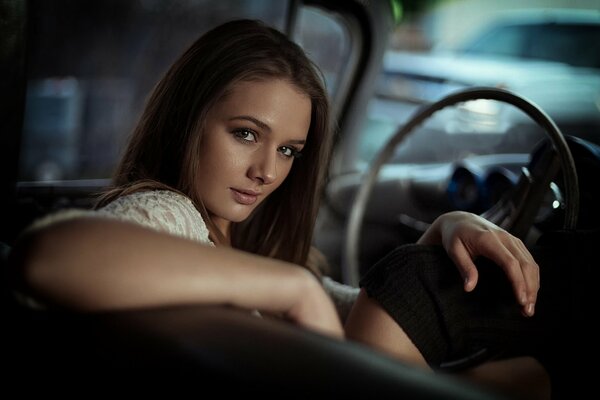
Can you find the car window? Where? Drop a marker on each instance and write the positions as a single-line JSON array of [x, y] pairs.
[[327, 42], [87, 87], [565, 43], [569, 44], [549, 56], [510, 40]]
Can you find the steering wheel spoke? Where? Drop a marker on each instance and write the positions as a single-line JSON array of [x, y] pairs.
[[531, 189]]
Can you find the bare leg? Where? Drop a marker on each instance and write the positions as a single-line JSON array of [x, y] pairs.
[[522, 377], [370, 324]]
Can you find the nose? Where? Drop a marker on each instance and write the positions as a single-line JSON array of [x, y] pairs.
[[264, 167]]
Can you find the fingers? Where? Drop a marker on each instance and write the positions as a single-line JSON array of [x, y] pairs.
[[463, 261], [531, 273], [513, 257], [466, 236]]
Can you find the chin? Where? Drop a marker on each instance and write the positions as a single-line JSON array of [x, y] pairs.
[[237, 217], [236, 213]]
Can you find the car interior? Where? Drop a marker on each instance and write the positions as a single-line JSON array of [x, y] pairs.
[[74, 76]]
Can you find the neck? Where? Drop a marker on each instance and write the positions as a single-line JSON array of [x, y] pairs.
[[220, 231]]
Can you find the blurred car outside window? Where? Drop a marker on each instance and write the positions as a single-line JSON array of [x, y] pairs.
[[565, 36], [550, 56]]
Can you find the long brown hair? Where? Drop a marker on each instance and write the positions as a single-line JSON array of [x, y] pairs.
[[163, 150]]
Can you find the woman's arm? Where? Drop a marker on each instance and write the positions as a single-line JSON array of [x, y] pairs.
[[466, 236], [102, 264]]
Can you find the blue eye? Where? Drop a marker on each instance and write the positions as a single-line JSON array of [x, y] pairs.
[[245, 135]]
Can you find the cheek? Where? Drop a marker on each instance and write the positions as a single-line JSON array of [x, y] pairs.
[[232, 162], [219, 159], [283, 170]]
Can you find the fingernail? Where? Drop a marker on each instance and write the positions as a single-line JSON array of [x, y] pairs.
[[466, 286], [530, 309]]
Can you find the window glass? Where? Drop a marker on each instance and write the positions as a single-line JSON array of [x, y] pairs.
[[569, 44], [566, 43], [505, 41], [87, 87], [91, 65], [512, 47], [326, 42]]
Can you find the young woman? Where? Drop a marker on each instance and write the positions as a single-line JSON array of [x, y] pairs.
[[216, 197]]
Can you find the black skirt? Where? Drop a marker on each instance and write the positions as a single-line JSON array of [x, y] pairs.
[[421, 288]]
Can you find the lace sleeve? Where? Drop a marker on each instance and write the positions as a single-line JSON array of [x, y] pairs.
[[161, 210]]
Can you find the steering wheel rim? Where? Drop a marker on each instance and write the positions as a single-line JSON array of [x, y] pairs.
[[350, 261]]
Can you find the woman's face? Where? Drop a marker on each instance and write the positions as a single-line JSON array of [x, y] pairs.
[[252, 137]]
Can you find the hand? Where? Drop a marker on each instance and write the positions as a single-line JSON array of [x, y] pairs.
[[466, 236]]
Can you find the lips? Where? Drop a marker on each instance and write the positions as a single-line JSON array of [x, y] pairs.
[[245, 197]]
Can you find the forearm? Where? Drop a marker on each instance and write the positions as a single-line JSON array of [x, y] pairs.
[[101, 264]]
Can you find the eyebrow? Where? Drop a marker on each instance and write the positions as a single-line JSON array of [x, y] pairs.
[[262, 125], [255, 121]]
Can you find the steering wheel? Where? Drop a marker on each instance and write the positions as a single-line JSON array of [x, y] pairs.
[[514, 212]]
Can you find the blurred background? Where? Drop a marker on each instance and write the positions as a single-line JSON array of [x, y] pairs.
[[448, 23], [86, 87], [545, 51]]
